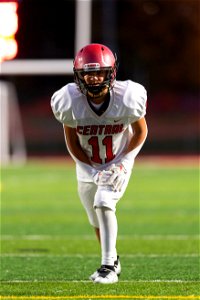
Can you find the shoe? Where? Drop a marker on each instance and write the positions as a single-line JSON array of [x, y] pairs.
[[106, 276], [117, 267]]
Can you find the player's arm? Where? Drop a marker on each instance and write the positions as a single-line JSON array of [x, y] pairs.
[[139, 135], [119, 171], [74, 145], [135, 144]]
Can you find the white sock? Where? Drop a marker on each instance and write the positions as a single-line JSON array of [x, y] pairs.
[[108, 234]]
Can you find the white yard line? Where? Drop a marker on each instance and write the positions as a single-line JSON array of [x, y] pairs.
[[88, 281], [139, 255], [91, 237]]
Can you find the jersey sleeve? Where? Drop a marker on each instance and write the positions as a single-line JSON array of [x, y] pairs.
[[61, 104], [135, 100]]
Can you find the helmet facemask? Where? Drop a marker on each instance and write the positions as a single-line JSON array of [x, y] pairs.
[[95, 89]]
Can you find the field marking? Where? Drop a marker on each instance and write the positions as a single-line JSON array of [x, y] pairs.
[[100, 297], [78, 255], [89, 281], [91, 237]]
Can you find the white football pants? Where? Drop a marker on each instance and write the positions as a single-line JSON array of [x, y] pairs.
[[93, 196], [100, 205]]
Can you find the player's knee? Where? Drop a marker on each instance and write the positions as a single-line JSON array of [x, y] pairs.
[[93, 221], [104, 198]]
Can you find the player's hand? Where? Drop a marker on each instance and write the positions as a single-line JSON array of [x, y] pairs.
[[118, 177], [102, 177]]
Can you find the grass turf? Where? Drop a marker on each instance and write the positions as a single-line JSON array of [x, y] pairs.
[[49, 249]]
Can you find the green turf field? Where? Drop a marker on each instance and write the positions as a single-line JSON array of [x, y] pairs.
[[49, 249]]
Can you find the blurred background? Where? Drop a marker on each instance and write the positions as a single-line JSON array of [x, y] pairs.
[[157, 44]]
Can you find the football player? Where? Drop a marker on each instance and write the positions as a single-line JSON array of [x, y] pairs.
[[105, 128]]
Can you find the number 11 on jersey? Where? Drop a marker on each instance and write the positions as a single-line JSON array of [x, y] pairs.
[[107, 143]]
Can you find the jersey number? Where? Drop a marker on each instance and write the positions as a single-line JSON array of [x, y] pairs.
[[107, 142]]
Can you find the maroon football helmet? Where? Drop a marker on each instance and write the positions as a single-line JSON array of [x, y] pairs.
[[95, 57]]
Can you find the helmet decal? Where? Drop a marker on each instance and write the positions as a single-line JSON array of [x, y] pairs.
[[93, 66]]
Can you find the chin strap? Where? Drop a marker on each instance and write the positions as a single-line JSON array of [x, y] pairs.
[[91, 95], [97, 91]]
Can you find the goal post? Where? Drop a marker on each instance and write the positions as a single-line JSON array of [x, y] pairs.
[[12, 139], [82, 37], [37, 67], [13, 145]]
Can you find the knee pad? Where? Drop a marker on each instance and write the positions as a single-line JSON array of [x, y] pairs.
[[105, 197], [86, 192], [93, 220]]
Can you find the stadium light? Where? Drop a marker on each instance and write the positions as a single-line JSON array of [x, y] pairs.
[[8, 28]]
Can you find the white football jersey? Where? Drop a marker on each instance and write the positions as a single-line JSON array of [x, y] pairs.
[[105, 137]]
